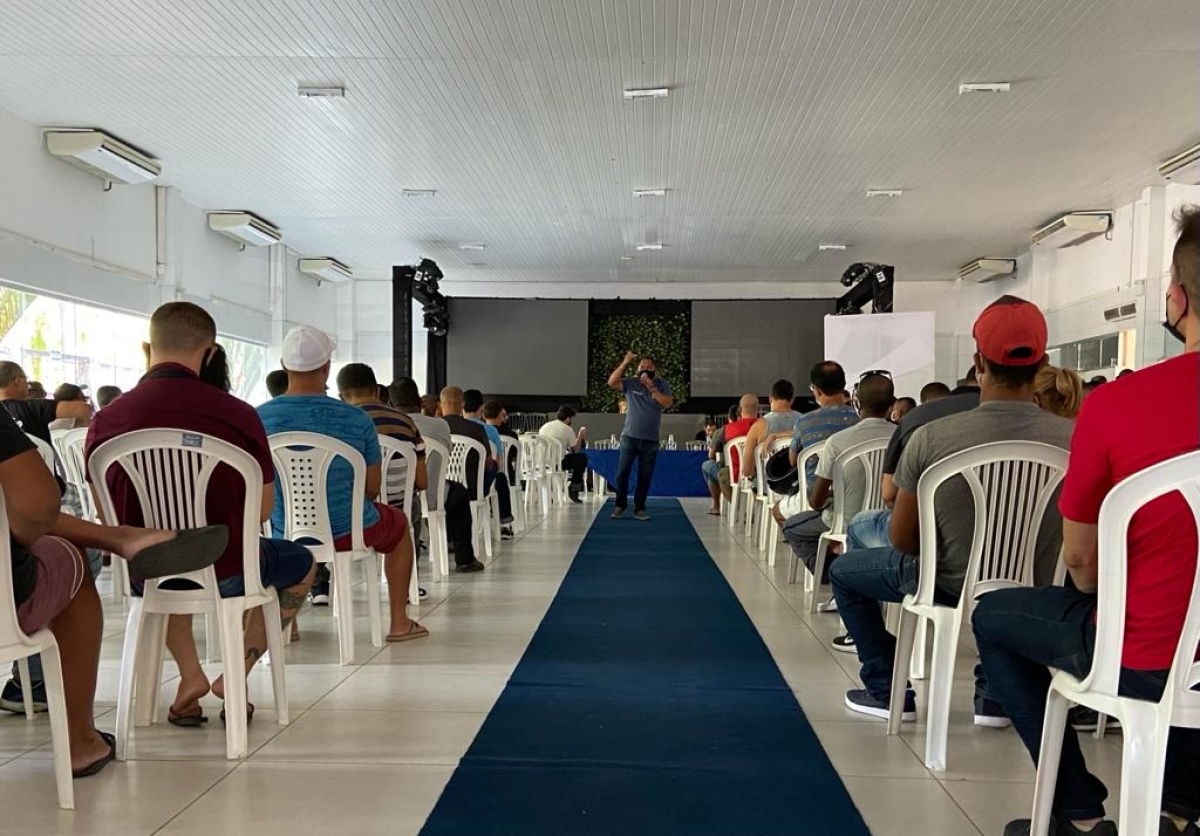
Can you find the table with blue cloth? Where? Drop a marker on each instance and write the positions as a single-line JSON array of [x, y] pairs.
[[676, 473]]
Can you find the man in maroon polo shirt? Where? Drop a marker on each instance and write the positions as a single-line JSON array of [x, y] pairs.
[[172, 395]]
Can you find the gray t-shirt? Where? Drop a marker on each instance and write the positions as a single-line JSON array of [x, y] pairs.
[[781, 422], [438, 430], [955, 507], [643, 418], [868, 429]]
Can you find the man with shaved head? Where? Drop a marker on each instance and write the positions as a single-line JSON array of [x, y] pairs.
[[452, 412], [740, 428]]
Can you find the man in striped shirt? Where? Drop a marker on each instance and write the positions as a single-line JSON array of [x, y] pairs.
[[356, 386], [828, 385]]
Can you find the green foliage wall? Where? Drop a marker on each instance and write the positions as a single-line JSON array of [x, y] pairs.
[[665, 337]]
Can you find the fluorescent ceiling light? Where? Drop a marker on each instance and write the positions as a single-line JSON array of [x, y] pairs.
[[837, 247], [984, 87], [322, 92], [245, 227], [102, 154], [326, 269], [626, 258], [649, 192], [641, 248], [418, 192], [647, 93], [884, 192], [472, 246]]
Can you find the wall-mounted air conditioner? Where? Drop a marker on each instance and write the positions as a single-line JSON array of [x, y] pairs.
[[245, 227], [101, 154], [1073, 228], [987, 269], [1183, 167], [326, 269], [1121, 312]]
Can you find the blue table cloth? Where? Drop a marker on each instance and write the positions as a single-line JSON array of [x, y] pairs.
[[676, 473]]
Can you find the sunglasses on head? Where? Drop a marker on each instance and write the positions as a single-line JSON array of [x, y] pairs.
[[883, 372]]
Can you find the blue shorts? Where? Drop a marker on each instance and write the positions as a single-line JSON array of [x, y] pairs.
[[281, 563]]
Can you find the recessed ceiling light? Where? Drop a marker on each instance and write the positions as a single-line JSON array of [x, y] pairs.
[[322, 92], [418, 192], [884, 192], [645, 247], [984, 87], [626, 258], [649, 192], [837, 247], [472, 246], [648, 93]]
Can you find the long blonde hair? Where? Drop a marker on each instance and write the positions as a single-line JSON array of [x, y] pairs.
[[1059, 391]]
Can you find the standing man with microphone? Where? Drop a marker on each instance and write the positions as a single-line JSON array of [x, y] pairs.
[[647, 396]]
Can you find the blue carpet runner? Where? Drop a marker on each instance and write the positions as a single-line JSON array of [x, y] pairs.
[[646, 703]]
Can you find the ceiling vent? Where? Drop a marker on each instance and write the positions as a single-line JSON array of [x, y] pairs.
[[245, 227], [103, 155], [326, 269], [1183, 168], [1121, 312], [987, 269], [1073, 228]]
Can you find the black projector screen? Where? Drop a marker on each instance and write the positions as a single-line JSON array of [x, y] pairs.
[[518, 346], [745, 346]]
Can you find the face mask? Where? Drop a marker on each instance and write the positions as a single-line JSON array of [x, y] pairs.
[[1172, 328], [648, 372]]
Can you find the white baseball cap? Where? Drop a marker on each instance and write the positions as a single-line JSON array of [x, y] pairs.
[[306, 349]]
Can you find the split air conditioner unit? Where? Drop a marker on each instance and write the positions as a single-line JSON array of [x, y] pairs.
[[1073, 228], [103, 155], [1121, 312], [326, 270], [245, 227], [1183, 167], [987, 269]]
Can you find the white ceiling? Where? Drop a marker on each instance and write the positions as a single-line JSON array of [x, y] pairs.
[[782, 114]]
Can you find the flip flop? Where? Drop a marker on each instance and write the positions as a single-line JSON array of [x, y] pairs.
[[713, 513], [187, 551], [249, 713], [187, 721], [415, 631], [95, 766]]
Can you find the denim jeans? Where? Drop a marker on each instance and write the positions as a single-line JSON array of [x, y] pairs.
[[869, 530], [1022, 632], [861, 581], [493, 478], [646, 453], [709, 470], [803, 533]]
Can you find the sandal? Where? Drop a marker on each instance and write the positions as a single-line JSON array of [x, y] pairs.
[[95, 766], [713, 513], [249, 713], [188, 721], [415, 631], [188, 551]]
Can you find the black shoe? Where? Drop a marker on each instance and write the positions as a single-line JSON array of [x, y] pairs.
[[990, 715], [844, 643], [473, 566], [1084, 719], [574, 497], [13, 698], [320, 594], [860, 700], [618, 512], [1020, 827], [641, 515], [506, 534]]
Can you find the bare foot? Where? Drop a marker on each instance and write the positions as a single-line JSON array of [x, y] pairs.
[[295, 632], [132, 540], [218, 687], [187, 697], [86, 753]]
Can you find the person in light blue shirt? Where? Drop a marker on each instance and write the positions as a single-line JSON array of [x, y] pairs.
[[827, 384], [646, 396], [472, 404]]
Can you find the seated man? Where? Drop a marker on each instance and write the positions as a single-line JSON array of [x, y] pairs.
[[307, 353], [277, 383], [34, 415], [934, 391], [827, 382], [451, 405], [172, 395], [456, 502], [69, 393], [1010, 337], [357, 387], [803, 529], [53, 588], [747, 418], [776, 424], [1126, 426], [706, 434], [902, 407], [473, 411], [574, 460], [711, 468], [106, 395]]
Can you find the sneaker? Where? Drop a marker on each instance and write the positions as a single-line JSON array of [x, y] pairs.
[[641, 515], [862, 702], [13, 698], [320, 594], [1020, 827], [506, 534], [618, 512], [473, 566], [845, 644], [990, 715], [1084, 719], [828, 606]]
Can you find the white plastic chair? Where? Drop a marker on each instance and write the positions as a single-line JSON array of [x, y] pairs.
[[531, 470], [302, 463], [169, 472], [738, 444], [398, 465], [869, 455], [554, 454], [513, 454], [767, 498], [432, 509], [811, 453], [1145, 724], [16, 645], [481, 510], [1012, 483]]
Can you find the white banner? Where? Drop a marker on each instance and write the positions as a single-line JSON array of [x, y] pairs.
[[901, 343]]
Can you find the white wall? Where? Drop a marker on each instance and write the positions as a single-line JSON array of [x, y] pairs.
[[62, 234]]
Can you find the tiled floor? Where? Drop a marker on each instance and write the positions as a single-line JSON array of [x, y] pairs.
[[370, 746]]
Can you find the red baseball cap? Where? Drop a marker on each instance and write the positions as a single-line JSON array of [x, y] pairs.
[[1012, 332]]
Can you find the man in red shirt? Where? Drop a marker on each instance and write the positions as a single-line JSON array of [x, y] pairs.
[[748, 412], [1125, 427], [172, 395]]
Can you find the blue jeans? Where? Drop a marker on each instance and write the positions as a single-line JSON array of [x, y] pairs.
[[861, 581], [646, 453], [1020, 632], [869, 530], [709, 470]]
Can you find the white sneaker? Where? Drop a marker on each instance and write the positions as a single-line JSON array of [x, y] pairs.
[[828, 606]]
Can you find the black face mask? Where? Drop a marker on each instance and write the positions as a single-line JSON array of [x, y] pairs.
[[1172, 328], [648, 372]]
